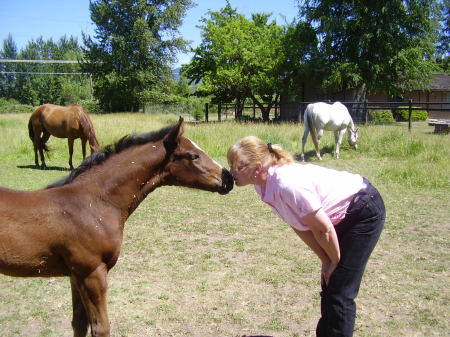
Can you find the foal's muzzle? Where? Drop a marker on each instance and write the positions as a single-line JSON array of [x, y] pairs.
[[227, 182]]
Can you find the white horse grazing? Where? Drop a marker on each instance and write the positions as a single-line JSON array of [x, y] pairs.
[[331, 117]]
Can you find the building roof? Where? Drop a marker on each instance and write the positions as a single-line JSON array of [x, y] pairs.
[[441, 82]]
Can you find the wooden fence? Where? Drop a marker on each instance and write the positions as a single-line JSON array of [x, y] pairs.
[[358, 110]]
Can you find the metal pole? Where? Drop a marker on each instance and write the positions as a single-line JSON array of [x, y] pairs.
[[219, 111], [410, 115], [366, 112]]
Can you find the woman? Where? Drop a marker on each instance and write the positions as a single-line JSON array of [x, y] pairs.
[[339, 215]]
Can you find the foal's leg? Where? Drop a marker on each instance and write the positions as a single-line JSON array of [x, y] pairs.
[[80, 318], [70, 143], [93, 290]]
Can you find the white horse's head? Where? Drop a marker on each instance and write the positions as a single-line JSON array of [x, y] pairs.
[[353, 138]]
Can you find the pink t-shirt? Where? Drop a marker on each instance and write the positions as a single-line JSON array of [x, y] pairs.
[[294, 190]]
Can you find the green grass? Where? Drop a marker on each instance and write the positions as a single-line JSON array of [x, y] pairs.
[[200, 264]]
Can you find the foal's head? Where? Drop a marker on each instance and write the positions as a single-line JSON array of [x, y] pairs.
[[188, 165]]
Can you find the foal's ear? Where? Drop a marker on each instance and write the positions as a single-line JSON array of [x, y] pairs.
[[172, 138]]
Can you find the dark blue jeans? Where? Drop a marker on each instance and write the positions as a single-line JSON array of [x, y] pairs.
[[357, 234]]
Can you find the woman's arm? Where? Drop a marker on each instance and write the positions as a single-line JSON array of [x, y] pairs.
[[310, 240], [324, 234]]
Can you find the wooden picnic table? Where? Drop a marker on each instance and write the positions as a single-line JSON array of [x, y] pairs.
[[440, 125]]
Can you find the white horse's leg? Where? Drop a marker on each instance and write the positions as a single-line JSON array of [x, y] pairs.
[[319, 134], [338, 139], [304, 139]]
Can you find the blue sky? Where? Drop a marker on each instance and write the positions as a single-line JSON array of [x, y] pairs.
[[30, 19]]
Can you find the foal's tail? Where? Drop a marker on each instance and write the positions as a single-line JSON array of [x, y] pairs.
[[311, 127], [89, 130]]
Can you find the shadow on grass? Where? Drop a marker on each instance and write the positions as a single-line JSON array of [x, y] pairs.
[[312, 154], [48, 168]]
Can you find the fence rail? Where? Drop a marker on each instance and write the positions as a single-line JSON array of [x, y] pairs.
[[358, 110]]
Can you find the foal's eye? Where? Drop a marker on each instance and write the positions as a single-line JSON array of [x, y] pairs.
[[194, 156]]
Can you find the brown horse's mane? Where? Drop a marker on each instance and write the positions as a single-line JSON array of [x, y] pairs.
[[122, 144]]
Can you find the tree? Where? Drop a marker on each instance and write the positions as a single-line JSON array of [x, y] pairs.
[[443, 46], [368, 46], [134, 44], [301, 56], [35, 89], [238, 59], [7, 83]]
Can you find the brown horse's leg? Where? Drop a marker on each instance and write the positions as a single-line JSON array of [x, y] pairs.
[[93, 290], [38, 146], [79, 319], [36, 149], [83, 146], [70, 143]]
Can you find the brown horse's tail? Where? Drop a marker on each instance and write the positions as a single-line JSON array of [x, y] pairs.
[[30, 130], [89, 130], [45, 136]]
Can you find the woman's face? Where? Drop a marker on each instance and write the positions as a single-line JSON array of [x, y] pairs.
[[243, 173]]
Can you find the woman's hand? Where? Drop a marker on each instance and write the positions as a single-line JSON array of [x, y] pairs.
[[327, 269]]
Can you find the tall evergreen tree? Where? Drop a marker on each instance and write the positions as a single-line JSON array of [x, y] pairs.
[[7, 81], [134, 45]]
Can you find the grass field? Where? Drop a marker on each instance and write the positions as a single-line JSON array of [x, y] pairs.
[[199, 264]]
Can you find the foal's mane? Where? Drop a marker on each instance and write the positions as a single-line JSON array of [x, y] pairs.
[[122, 144]]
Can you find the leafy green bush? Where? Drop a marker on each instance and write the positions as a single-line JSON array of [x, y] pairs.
[[194, 106], [381, 116], [418, 114], [14, 106], [92, 106]]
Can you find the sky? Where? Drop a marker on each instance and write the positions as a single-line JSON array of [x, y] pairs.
[[29, 19]]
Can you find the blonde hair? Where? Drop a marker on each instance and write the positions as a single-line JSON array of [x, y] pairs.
[[253, 150]]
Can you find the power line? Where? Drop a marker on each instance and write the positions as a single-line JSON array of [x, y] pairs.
[[40, 61], [37, 61], [39, 73]]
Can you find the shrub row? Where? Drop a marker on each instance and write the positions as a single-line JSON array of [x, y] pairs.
[[400, 114]]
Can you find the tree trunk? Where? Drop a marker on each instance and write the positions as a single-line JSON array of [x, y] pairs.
[[359, 95], [239, 107], [265, 111]]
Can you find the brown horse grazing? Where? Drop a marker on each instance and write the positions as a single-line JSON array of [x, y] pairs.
[[75, 226], [69, 122]]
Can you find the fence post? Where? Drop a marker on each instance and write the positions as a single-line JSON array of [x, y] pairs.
[[206, 112], [366, 112], [219, 111], [410, 115]]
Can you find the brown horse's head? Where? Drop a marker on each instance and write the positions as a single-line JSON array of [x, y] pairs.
[[189, 166], [88, 129]]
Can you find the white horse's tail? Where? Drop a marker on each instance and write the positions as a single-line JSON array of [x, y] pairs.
[[311, 127]]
